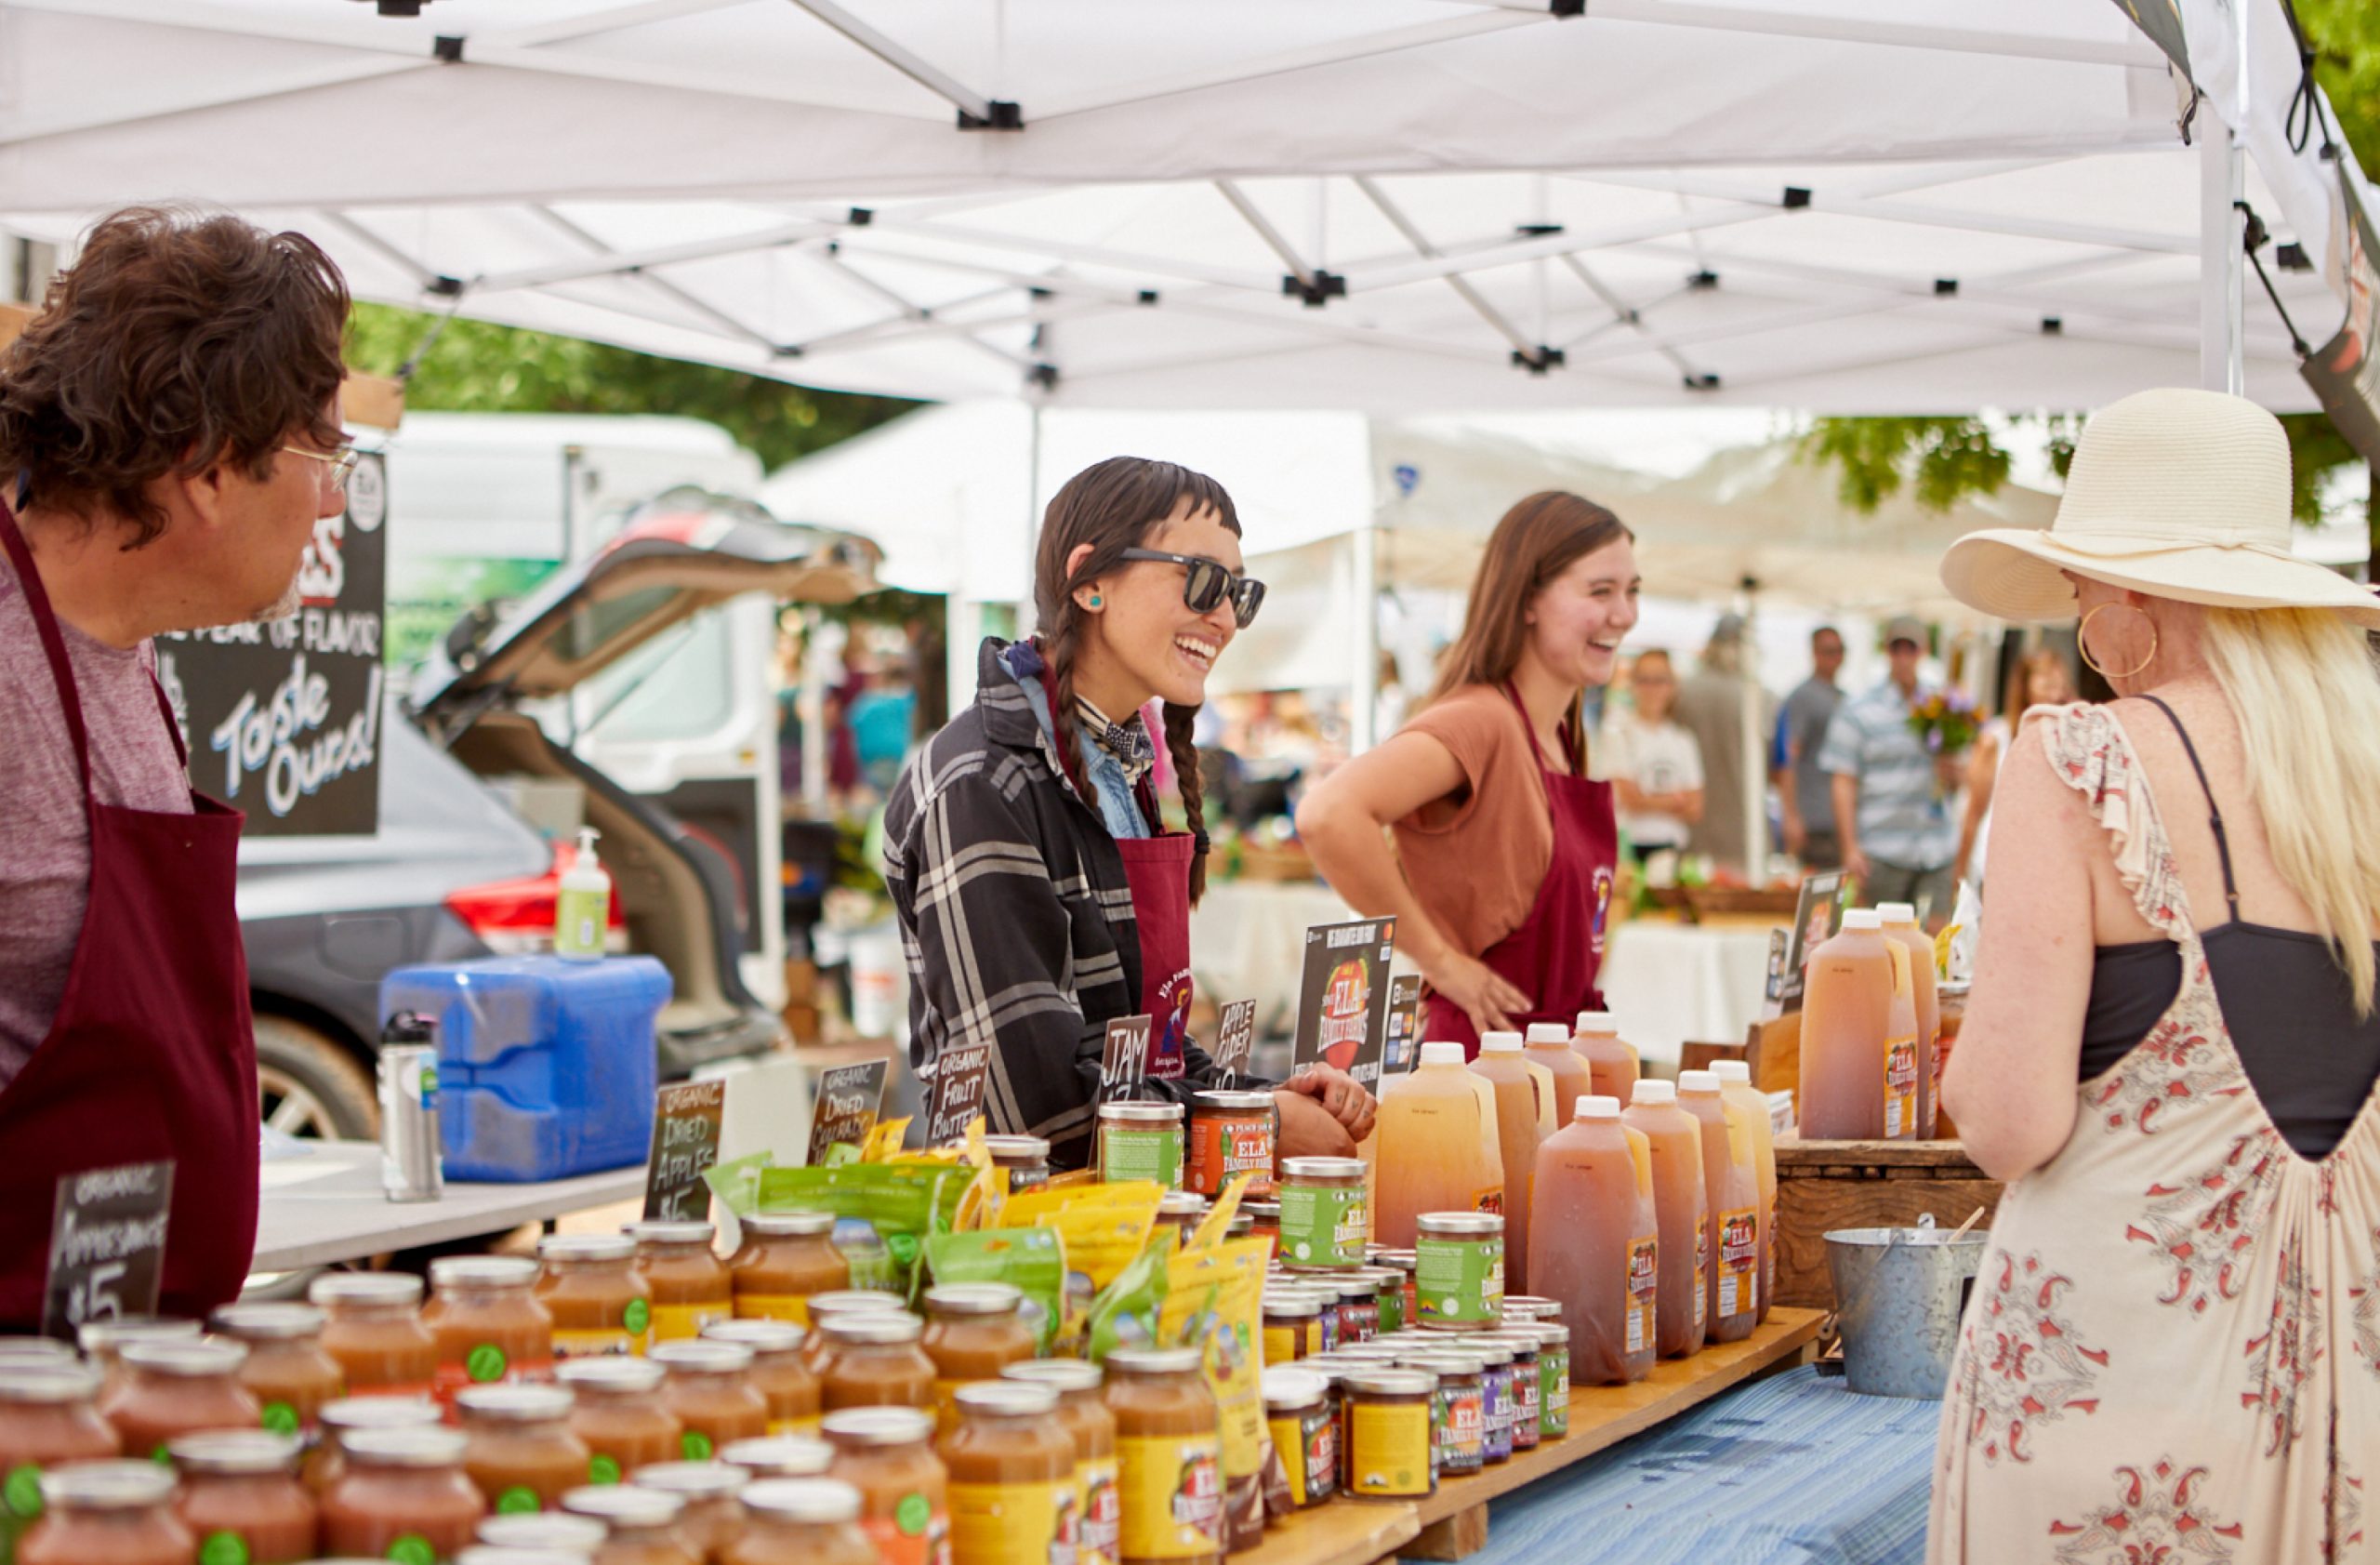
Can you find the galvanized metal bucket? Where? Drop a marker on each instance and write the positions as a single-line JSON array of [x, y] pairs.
[[1898, 1295]]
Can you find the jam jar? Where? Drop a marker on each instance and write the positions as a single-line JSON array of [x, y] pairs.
[[108, 1513], [709, 1389], [1389, 1422], [287, 1372], [640, 1525], [522, 1455], [1012, 1471], [874, 1360], [887, 1455], [241, 1498], [1082, 1413], [372, 1330], [618, 1414], [692, 1287], [713, 1516], [1168, 1456], [323, 1464], [1231, 1133], [1024, 1159], [178, 1387], [973, 1332], [778, 1373], [403, 1496], [802, 1522], [485, 1313], [601, 1303], [785, 1258], [1141, 1141]]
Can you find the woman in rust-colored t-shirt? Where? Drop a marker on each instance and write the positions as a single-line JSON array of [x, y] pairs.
[[1501, 879]]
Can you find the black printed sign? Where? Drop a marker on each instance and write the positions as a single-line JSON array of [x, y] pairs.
[[685, 1142], [849, 1099], [107, 1245], [958, 1095], [1402, 1047], [1343, 1001], [1817, 914], [1124, 1063], [1235, 1040]]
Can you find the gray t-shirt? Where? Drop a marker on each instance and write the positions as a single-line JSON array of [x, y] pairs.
[[45, 837], [1806, 714]]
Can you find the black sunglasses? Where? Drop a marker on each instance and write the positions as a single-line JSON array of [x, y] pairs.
[[1208, 584]]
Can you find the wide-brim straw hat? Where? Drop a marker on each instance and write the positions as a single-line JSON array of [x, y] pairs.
[[2176, 493]]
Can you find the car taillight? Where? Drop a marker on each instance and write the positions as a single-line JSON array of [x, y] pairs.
[[516, 917]]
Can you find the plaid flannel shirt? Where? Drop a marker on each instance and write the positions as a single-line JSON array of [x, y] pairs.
[[1016, 917]]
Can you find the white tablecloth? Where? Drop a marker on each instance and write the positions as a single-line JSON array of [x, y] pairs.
[[1247, 942], [1672, 983]]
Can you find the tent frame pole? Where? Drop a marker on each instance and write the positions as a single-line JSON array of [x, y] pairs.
[[2222, 346], [974, 105]]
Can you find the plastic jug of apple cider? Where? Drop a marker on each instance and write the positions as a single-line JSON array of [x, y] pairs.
[[1846, 1011], [1594, 1188], [1524, 1105], [1900, 925], [1731, 1182], [1612, 1064], [1681, 1210], [1433, 1146], [1735, 1081], [1549, 1045]]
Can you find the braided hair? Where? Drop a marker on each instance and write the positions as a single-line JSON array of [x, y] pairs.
[[1113, 506]]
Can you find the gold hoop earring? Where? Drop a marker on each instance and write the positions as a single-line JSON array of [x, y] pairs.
[[2083, 643]]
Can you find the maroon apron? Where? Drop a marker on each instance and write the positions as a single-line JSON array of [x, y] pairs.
[[1556, 953], [151, 1055]]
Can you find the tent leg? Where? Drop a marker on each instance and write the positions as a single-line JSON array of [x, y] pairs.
[[1755, 758], [2221, 181]]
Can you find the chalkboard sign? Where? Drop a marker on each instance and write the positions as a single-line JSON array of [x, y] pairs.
[[849, 1099], [685, 1143], [1235, 1041], [1343, 1004], [1817, 914], [283, 718], [957, 1094], [107, 1245], [1403, 1048], [1124, 1063]]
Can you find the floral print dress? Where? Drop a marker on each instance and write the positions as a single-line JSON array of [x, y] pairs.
[[2172, 1353]]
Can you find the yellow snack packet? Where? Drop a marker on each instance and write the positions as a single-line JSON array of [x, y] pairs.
[[883, 1140], [1104, 1226], [1213, 1303], [1215, 1227]]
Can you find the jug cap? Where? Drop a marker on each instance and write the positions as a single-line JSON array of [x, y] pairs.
[[1731, 1070], [1597, 1107], [1697, 1082], [1441, 1054], [1547, 1032], [1597, 1021], [1652, 1090], [1897, 913], [1864, 921], [1500, 1043]]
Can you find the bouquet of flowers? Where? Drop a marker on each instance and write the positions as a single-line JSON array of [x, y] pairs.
[[1945, 720]]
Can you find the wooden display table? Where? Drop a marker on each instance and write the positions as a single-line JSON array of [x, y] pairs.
[[1825, 1185]]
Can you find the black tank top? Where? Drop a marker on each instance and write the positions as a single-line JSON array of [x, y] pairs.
[[2284, 994]]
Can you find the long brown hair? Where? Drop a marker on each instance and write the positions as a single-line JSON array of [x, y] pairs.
[[1114, 506], [1537, 539]]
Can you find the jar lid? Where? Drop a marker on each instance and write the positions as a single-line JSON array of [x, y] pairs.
[[1017, 1148], [1494, 1352], [670, 1231], [625, 1504], [778, 1456], [695, 1480], [883, 1426], [872, 1327], [268, 1321], [206, 1356], [1519, 1341], [787, 1225], [498, 1554], [1292, 1304], [424, 1447], [842, 1301], [1181, 1203], [378, 1412], [1444, 1361], [15, 1351], [1401, 1260], [111, 1335], [1066, 1374], [1550, 1334], [1235, 1102], [757, 1336], [1242, 1223], [233, 1451], [107, 1485], [1135, 1112], [1006, 1398], [610, 1374], [700, 1356], [1458, 1225], [543, 1530], [1393, 1383], [1322, 1168], [516, 1403], [47, 1380], [586, 1247], [482, 1271], [818, 1500], [974, 1298], [1155, 1360], [367, 1288], [1355, 1287], [1291, 1387], [1377, 1352], [1531, 1303], [1263, 1211]]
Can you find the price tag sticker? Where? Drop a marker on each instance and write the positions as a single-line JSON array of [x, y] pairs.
[[107, 1245]]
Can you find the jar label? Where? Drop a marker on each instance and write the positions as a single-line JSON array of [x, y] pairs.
[[1459, 1280], [279, 1417], [1900, 1088], [1388, 1448], [572, 1344], [1738, 1261], [1392, 1309], [603, 1469], [1221, 1147], [1526, 1418], [1462, 1428], [1496, 1399], [1643, 1282], [1701, 1277], [20, 1492], [673, 1321], [1308, 1445], [1129, 1154], [1013, 1524], [1321, 1226], [485, 1364], [694, 1446], [1099, 1511], [1281, 1344], [519, 1500], [914, 1534], [412, 1548], [1172, 1487], [1553, 1391], [223, 1549], [774, 1306]]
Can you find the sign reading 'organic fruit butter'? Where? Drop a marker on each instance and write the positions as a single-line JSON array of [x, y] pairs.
[[1342, 1001], [849, 1099], [957, 1089], [107, 1245], [685, 1143]]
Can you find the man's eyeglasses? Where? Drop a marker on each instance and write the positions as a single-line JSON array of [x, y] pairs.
[[1207, 584], [341, 462]]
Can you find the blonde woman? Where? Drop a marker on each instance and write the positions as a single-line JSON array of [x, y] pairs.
[[2173, 1348]]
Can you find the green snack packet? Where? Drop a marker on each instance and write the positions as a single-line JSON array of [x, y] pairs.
[[1033, 1261], [1125, 1314], [738, 1183], [905, 1203]]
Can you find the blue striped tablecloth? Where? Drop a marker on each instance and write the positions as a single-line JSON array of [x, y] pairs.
[[1795, 1470]]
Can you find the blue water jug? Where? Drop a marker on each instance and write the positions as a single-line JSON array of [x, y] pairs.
[[545, 1067]]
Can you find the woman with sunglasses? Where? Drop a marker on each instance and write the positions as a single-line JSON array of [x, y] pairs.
[[1038, 893], [1500, 879]]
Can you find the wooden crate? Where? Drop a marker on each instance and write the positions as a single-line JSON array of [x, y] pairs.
[[1824, 1185]]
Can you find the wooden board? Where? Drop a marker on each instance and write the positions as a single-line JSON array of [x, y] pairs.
[[1947, 1159], [1339, 1532], [1827, 1185]]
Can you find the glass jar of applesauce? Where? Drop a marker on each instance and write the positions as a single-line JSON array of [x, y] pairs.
[[103, 1340], [1082, 1414], [709, 1388], [178, 1387], [372, 1330], [641, 1525], [778, 1374], [328, 1460], [713, 1515], [874, 1360], [403, 1496], [287, 1372], [1012, 1470], [973, 1332], [802, 1521], [785, 1258], [600, 1301], [522, 1455], [1168, 1450], [241, 1498], [48, 1416], [619, 1414], [108, 1513], [485, 1314], [692, 1287], [845, 1301], [887, 1455]]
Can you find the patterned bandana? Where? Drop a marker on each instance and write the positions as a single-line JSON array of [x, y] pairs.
[[1129, 742]]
